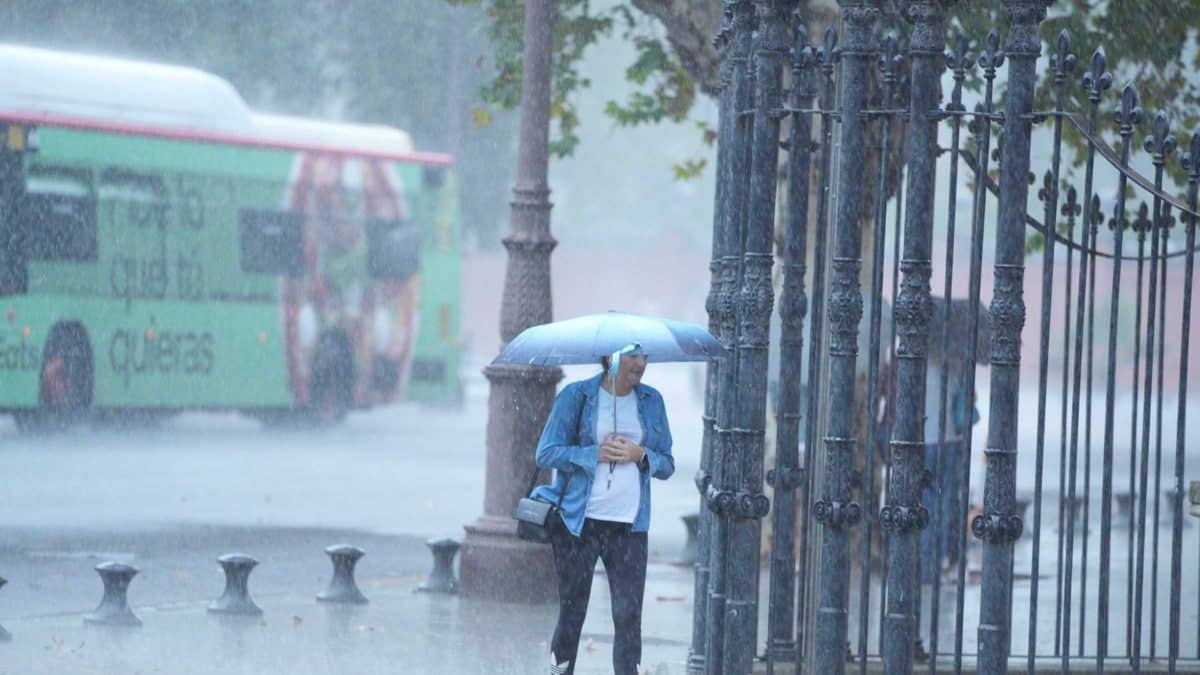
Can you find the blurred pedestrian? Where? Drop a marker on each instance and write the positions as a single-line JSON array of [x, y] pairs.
[[940, 539], [605, 438]]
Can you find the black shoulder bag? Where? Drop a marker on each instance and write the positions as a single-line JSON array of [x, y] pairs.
[[534, 517]]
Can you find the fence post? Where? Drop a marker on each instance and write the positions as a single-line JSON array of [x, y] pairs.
[[827, 56], [735, 205], [904, 516], [835, 510], [793, 305], [713, 304], [755, 302], [997, 526]]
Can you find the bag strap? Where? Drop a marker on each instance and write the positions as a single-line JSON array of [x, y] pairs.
[[533, 484], [536, 470]]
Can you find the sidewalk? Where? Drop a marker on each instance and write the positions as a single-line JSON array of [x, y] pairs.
[[400, 631]]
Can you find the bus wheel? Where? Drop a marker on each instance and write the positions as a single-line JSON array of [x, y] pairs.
[[65, 392], [331, 389]]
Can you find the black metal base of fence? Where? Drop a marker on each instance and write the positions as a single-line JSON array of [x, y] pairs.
[[1043, 666]]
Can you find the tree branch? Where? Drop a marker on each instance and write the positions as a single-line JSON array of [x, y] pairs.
[[691, 27]]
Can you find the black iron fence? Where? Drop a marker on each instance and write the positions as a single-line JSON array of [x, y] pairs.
[[870, 555]]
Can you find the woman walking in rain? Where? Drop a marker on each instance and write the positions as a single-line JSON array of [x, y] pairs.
[[606, 437]]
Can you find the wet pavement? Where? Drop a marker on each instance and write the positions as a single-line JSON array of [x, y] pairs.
[[399, 631], [170, 500]]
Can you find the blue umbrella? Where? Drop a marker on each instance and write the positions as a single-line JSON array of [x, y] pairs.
[[587, 338]]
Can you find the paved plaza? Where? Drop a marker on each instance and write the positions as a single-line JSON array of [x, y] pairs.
[[170, 500]]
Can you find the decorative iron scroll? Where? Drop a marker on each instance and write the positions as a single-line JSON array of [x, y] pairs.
[[837, 514], [756, 299], [1007, 314], [914, 309], [845, 307], [901, 519], [997, 529]]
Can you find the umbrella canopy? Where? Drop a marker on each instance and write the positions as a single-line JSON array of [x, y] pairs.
[[587, 338]]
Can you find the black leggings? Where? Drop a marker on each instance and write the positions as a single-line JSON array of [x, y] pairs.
[[624, 554]]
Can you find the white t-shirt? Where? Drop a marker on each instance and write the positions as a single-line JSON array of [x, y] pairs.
[[617, 489]]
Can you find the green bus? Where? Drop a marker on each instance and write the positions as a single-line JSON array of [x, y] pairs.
[[165, 248]]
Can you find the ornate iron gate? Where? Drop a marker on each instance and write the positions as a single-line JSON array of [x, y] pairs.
[[879, 92]]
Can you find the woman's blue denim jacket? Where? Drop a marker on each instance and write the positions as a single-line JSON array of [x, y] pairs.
[[566, 446]]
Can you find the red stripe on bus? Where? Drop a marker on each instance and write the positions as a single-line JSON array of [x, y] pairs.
[[203, 136]]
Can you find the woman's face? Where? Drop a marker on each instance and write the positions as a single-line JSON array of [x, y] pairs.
[[632, 368]]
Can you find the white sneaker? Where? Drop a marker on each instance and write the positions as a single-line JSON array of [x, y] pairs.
[[558, 668]]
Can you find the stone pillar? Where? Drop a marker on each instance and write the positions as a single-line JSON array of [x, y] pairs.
[[495, 564]]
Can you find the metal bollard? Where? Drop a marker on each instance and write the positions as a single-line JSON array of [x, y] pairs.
[[342, 587], [236, 598], [114, 606], [441, 579], [1020, 508], [1169, 497], [1075, 507], [5, 636], [1125, 505], [691, 548]]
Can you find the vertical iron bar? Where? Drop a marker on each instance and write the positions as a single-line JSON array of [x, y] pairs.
[[958, 61], [755, 304], [1191, 163], [1159, 144], [828, 55], [1086, 500], [793, 305], [897, 224], [1087, 452], [1071, 210], [1162, 320], [1162, 315], [836, 511], [1087, 292], [696, 663], [904, 516], [889, 63], [997, 526], [1063, 63], [1134, 428], [991, 58], [1161, 221], [720, 492], [1128, 117], [1096, 81]]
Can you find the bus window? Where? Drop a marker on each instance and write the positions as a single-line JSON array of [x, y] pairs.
[[393, 249], [143, 197], [433, 177], [58, 215], [14, 278], [272, 242]]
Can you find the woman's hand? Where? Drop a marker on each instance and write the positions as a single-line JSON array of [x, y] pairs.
[[620, 450]]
